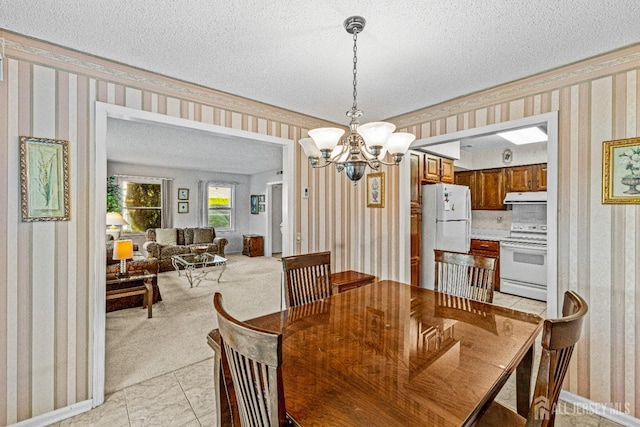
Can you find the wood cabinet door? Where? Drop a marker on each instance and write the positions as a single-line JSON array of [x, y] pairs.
[[415, 177], [468, 178], [446, 170], [490, 188], [416, 241], [540, 177], [519, 178], [431, 168]]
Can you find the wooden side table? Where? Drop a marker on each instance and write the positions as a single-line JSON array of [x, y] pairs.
[[253, 245], [345, 280], [130, 286]]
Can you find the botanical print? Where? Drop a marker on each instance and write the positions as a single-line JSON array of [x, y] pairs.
[[629, 158], [44, 179], [375, 190]]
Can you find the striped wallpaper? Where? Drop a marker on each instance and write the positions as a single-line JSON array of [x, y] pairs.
[[45, 308]]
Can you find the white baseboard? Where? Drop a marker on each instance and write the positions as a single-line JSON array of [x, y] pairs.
[[57, 415], [605, 411]]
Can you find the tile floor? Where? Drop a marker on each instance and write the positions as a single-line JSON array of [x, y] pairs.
[[186, 397]]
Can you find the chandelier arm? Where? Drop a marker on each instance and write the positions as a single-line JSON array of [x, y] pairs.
[[326, 163]]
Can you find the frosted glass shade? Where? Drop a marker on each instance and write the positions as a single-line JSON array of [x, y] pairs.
[[376, 133], [338, 151], [326, 138], [398, 143], [310, 148], [123, 249], [114, 218]]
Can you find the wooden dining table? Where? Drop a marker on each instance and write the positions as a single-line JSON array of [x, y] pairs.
[[390, 354]]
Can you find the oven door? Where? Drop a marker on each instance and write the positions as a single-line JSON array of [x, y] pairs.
[[523, 269]]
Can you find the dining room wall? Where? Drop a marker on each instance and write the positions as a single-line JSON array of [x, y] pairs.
[[597, 99]]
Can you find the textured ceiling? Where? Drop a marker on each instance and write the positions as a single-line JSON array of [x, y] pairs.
[[297, 55]]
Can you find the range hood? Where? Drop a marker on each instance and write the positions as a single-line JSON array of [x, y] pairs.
[[526, 198]]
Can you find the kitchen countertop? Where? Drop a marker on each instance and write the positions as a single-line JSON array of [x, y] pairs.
[[488, 234]]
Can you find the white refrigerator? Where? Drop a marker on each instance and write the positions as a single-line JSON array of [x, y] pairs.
[[446, 224]]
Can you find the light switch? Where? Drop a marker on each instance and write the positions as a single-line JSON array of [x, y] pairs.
[[305, 193]]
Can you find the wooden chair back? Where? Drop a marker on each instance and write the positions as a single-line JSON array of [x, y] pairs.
[[559, 337], [465, 275], [254, 358], [307, 277]]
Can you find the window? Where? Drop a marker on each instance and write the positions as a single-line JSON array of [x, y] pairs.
[[220, 206], [141, 203]]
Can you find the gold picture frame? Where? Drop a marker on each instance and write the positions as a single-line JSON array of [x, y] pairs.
[[621, 171], [44, 179], [375, 190]]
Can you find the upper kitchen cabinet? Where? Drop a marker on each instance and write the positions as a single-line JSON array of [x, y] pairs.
[[437, 169], [468, 178], [526, 178], [540, 175], [490, 189]]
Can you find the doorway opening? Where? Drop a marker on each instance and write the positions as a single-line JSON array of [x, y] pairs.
[[548, 121], [104, 112]]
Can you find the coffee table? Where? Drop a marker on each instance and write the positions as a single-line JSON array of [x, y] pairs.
[[189, 262]]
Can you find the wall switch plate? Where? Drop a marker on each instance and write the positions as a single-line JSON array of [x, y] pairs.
[[305, 193]]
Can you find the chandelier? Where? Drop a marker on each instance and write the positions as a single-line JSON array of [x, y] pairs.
[[365, 145]]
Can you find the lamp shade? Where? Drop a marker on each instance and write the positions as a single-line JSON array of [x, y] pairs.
[[398, 143], [114, 218], [122, 249], [375, 134], [310, 148], [326, 138]]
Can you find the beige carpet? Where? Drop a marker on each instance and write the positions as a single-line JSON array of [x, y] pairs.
[[138, 348]]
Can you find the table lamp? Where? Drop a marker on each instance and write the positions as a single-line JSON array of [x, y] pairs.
[[123, 250], [115, 221]]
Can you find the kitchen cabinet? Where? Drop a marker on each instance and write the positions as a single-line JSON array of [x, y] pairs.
[[468, 178], [540, 175], [490, 189], [526, 178], [486, 187], [416, 242], [489, 248], [437, 169]]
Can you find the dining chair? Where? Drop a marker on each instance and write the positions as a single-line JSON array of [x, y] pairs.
[[465, 275], [217, 378], [307, 277], [254, 358], [559, 336]]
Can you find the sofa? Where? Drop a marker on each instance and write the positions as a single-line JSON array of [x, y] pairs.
[[163, 243]]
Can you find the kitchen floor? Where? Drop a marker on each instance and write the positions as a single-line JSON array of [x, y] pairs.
[[186, 397]]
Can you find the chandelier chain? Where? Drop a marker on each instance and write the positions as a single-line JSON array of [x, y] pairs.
[[355, 70]]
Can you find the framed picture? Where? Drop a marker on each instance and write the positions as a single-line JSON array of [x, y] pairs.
[[183, 207], [183, 194], [621, 171], [375, 190], [254, 204], [261, 198], [44, 179], [261, 206]]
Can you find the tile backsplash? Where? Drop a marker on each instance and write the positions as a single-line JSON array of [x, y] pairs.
[[491, 220]]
